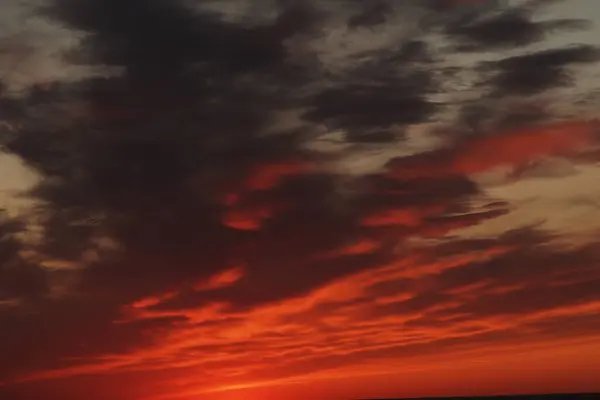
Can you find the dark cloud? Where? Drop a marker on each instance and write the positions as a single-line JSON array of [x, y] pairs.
[[510, 28], [494, 114], [370, 15], [182, 37], [144, 160], [532, 73], [175, 189], [374, 106], [19, 280]]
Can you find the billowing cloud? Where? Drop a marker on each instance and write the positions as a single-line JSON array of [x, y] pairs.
[[189, 234]]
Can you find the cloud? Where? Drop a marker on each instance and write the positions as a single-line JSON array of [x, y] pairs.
[[370, 15], [513, 27], [21, 281], [457, 301], [182, 230], [516, 148], [532, 73]]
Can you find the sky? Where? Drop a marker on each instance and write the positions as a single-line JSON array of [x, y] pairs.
[[278, 199]]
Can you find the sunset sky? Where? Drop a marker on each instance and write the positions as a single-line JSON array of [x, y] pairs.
[[278, 199]]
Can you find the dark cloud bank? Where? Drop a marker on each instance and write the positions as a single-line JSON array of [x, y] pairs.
[[178, 167]]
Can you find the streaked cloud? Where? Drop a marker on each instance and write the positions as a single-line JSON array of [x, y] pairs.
[[193, 232]]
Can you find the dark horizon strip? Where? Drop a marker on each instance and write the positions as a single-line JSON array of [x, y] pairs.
[[553, 396]]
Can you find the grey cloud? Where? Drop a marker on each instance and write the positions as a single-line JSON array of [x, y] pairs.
[[536, 72]]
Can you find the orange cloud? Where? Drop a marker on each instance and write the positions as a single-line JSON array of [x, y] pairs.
[[153, 300], [222, 279], [421, 303]]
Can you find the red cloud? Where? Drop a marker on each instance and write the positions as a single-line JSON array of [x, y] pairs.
[[516, 148], [409, 217], [250, 220], [520, 147], [364, 246], [268, 175], [245, 213]]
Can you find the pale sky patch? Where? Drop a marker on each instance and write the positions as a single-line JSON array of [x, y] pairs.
[[15, 179], [568, 205]]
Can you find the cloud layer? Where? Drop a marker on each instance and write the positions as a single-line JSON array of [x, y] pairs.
[[189, 231]]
